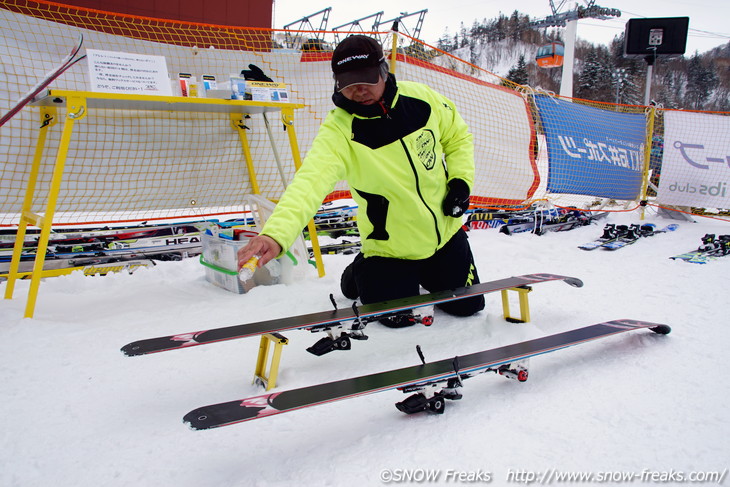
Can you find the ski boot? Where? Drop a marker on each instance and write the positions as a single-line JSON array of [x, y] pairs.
[[723, 243], [708, 243], [633, 232], [647, 230]]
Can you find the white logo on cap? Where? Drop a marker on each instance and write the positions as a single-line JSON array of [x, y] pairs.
[[352, 58]]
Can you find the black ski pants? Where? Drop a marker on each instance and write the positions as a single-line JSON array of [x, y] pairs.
[[376, 279]]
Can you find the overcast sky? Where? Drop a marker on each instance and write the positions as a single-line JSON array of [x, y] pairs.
[[709, 23]]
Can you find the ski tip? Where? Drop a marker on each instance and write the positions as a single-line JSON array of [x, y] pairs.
[[574, 281], [131, 350], [198, 419], [662, 329]]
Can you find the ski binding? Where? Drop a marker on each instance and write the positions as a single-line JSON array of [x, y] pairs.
[[432, 395], [340, 335]]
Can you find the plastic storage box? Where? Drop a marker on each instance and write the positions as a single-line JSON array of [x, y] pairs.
[[220, 258]]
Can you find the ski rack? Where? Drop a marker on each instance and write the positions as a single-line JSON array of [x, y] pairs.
[[268, 381], [78, 104], [522, 291]]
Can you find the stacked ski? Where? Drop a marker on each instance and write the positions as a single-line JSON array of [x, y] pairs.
[[482, 218], [341, 247], [559, 221], [81, 248], [711, 248], [433, 382]]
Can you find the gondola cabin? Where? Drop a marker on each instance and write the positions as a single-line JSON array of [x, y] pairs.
[[550, 55]]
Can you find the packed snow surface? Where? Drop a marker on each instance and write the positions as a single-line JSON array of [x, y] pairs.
[[76, 412]]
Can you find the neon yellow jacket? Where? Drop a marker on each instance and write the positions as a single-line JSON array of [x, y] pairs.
[[397, 159]]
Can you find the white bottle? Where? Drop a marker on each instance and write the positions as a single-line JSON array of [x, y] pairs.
[[248, 269]]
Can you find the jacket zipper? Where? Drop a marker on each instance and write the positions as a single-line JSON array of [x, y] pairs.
[[418, 190]]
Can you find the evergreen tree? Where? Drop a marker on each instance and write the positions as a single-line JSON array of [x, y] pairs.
[[595, 80], [444, 42], [518, 74], [701, 82], [464, 36], [513, 26]]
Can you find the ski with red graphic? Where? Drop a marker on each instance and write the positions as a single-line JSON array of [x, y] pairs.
[[341, 325], [433, 383], [50, 77]]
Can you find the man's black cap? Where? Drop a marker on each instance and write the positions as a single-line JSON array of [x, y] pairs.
[[357, 60]]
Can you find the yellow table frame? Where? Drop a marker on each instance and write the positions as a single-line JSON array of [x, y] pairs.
[[268, 380], [522, 292], [77, 104]]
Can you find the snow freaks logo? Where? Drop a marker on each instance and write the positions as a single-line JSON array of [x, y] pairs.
[[422, 475]]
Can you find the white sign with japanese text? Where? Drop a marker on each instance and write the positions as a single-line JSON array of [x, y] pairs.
[[696, 164], [130, 73]]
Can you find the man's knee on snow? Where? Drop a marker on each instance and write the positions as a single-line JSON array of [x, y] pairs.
[[348, 284]]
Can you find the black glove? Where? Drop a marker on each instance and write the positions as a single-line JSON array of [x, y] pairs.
[[254, 74], [456, 201]]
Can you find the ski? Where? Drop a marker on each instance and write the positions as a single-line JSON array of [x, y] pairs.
[[711, 249], [89, 267], [433, 382], [482, 218], [628, 234], [331, 321], [85, 259], [634, 232], [191, 247], [611, 232], [538, 228], [341, 216], [51, 76], [541, 224], [127, 237], [343, 247]]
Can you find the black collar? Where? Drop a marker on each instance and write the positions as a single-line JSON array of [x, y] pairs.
[[376, 110]]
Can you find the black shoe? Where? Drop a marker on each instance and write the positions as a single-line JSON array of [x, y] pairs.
[[348, 286]]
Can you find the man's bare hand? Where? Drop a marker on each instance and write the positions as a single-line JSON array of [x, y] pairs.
[[265, 247]]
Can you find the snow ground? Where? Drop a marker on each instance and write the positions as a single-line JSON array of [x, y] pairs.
[[76, 412]]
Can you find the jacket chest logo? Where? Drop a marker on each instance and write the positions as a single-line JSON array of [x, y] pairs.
[[426, 149]]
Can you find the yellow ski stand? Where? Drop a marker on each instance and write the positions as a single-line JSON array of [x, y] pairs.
[[260, 376], [77, 104], [522, 291]]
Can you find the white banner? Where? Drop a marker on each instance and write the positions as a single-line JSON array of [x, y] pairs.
[[128, 73], [696, 164]]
